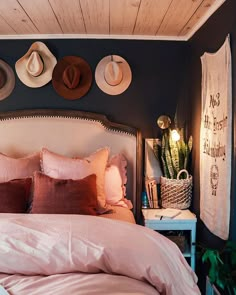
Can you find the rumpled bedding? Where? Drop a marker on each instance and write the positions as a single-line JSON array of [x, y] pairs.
[[78, 254], [76, 284]]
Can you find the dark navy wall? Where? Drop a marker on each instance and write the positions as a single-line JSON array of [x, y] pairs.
[[158, 79]]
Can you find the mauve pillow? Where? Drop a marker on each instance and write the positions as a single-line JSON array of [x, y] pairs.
[[58, 166], [115, 181], [64, 196], [16, 168], [14, 195]]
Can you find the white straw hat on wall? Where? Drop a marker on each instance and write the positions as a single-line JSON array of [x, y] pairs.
[[35, 68], [113, 74]]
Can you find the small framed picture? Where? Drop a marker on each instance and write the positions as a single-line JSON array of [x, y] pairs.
[[152, 169]]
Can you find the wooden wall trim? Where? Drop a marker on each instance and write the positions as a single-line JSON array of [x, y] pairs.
[[92, 36]]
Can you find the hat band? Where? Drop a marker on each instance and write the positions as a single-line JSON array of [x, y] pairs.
[[114, 85], [113, 74]]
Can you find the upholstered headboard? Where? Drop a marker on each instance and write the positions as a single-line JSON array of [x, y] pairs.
[[73, 133]]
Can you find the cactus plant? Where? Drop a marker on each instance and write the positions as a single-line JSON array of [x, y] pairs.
[[173, 155]]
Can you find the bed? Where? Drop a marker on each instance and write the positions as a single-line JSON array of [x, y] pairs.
[[73, 181]]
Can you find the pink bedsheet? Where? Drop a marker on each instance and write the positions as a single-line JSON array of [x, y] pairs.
[[59, 249], [75, 284]]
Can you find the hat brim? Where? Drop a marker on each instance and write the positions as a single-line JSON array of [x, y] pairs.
[[85, 78], [49, 62], [8, 87], [100, 78]]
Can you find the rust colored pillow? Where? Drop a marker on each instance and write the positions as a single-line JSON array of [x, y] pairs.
[[64, 196], [62, 167], [14, 195]]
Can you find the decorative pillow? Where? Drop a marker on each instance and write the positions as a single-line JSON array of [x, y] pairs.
[[12, 168], [60, 196], [115, 180], [14, 195], [58, 166]]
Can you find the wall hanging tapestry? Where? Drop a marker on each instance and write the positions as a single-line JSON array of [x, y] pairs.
[[216, 140]]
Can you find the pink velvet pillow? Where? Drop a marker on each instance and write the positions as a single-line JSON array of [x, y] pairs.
[[115, 180], [14, 195], [60, 196], [12, 168], [58, 166]]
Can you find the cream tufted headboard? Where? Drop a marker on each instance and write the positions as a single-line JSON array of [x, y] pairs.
[[73, 133]]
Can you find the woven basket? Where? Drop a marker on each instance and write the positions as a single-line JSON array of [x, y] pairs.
[[176, 193]]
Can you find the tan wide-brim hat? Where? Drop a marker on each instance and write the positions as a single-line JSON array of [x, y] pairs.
[[7, 80], [72, 77], [35, 68], [113, 74]]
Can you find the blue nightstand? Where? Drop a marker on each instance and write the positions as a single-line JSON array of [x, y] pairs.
[[185, 221]]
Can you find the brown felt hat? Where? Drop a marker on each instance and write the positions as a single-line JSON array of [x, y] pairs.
[[72, 77], [7, 80], [35, 68], [113, 74]]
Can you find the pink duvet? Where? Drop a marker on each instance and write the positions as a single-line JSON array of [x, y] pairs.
[[77, 254]]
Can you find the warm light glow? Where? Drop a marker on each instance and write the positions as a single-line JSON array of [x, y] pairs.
[[175, 135]]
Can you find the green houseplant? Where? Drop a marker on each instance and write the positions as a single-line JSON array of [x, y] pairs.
[[221, 266], [173, 155]]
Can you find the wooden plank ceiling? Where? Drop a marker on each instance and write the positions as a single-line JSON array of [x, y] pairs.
[[134, 19]]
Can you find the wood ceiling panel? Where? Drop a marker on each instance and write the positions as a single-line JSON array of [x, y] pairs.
[[178, 14], [123, 14], [132, 19], [42, 16], [15, 16], [5, 29], [96, 16], [150, 16], [201, 11], [69, 16]]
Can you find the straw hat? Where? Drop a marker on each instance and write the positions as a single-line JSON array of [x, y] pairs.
[[35, 68], [113, 74], [7, 80], [72, 77]]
